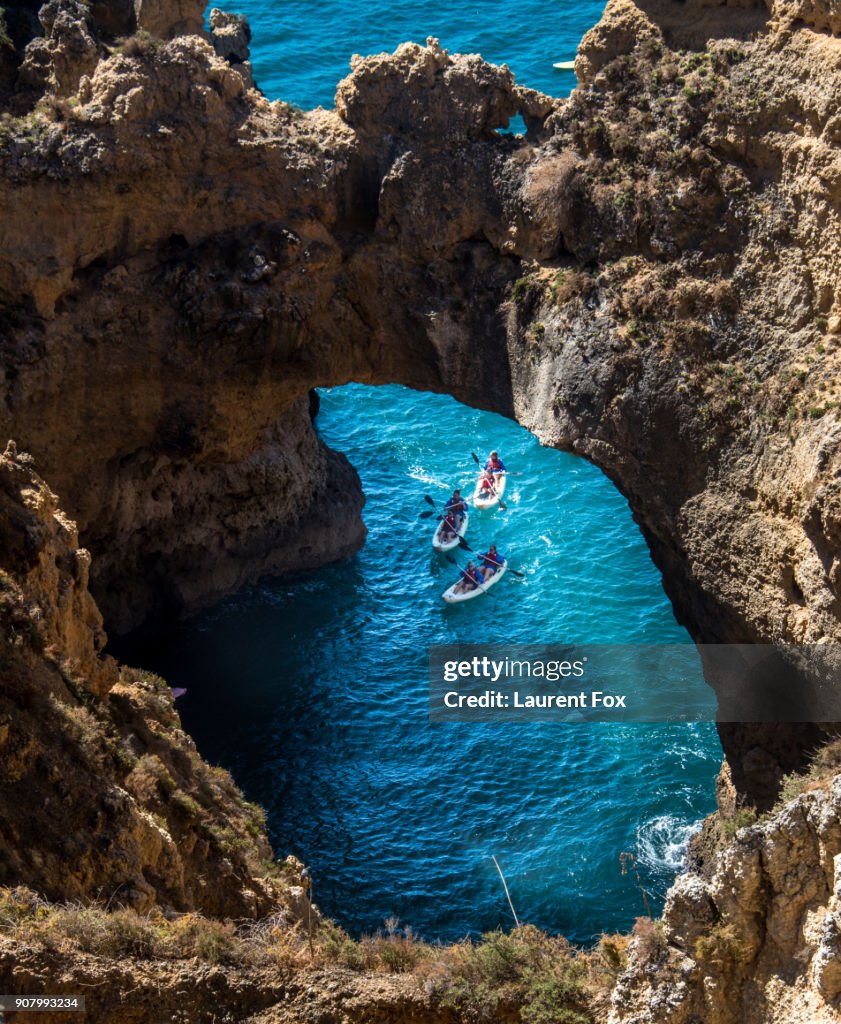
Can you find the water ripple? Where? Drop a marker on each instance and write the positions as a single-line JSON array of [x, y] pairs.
[[314, 692]]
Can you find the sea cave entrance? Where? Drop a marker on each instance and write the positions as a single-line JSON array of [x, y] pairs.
[[312, 691]]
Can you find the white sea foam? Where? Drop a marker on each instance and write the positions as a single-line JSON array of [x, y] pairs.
[[416, 473], [662, 842]]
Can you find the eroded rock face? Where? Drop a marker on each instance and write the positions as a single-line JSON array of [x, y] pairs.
[[649, 280], [230, 34], [55, 62], [40, 547], [168, 18], [756, 938], [103, 796], [291, 504]]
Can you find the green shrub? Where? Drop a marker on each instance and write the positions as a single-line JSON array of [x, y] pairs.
[[650, 937], [722, 946], [209, 940], [556, 998], [150, 779], [20, 905], [526, 968], [142, 45], [186, 803], [744, 817], [227, 840], [121, 932], [93, 930], [613, 953]]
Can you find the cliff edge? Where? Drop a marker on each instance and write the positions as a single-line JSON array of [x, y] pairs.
[[647, 278]]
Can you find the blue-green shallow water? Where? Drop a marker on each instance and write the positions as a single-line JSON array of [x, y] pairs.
[[313, 691]]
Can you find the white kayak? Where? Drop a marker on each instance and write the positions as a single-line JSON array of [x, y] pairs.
[[493, 497], [451, 597], [448, 545], [565, 65]]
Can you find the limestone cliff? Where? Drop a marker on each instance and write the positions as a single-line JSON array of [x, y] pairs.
[[102, 795], [753, 932], [648, 278]]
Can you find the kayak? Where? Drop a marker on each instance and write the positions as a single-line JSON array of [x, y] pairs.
[[491, 499], [565, 65], [448, 545], [451, 597]]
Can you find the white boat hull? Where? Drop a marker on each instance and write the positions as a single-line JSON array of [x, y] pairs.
[[451, 597], [491, 500], [448, 545]]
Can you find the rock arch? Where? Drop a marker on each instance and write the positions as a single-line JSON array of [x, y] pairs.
[[184, 261]]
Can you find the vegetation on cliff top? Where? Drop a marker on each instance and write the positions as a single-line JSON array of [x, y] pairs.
[[523, 975]]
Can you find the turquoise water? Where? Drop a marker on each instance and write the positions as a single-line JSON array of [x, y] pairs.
[[300, 50], [313, 691]]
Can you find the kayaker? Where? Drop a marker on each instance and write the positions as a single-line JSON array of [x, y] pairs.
[[495, 465], [471, 578], [457, 506], [491, 561], [487, 484], [449, 526]]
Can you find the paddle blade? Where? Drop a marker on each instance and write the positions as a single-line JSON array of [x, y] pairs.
[[502, 505], [426, 515], [462, 543], [476, 458], [428, 500], [450, 558]]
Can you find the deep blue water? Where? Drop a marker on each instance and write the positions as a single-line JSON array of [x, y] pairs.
[[313, 690]]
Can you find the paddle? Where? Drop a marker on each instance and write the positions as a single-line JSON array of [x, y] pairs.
[[462, 543], [425, 515], [502, 504], [500, 564], [463, 572], [429, 501]]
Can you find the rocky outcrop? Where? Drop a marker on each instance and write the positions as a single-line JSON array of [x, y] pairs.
[[647, 279], [103, 796], [755, 937], [158, 991], [230, 35], [55, 62], [167, 18], [41, 552], [291, 504]]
